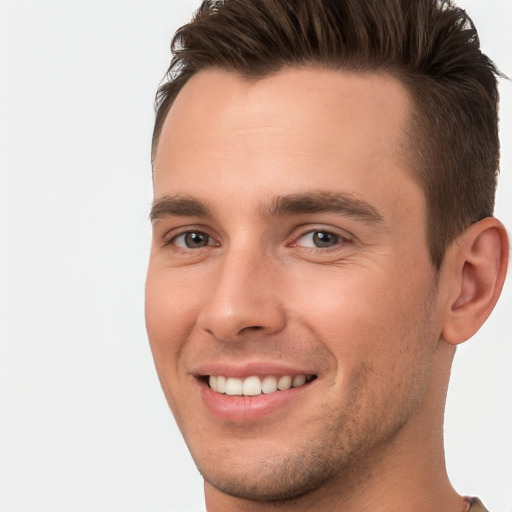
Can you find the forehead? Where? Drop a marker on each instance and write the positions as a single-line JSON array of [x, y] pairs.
[[296, 129]]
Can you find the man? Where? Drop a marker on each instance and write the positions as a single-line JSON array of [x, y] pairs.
[[323, 239]]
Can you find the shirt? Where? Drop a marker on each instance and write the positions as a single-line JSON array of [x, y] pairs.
[[475, 505]]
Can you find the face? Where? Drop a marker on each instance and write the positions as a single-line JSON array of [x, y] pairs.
[[289, 254]]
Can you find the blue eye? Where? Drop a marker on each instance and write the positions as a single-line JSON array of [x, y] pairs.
[[319, 239], [193, 240]]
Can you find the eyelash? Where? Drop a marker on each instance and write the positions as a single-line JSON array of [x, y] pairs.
[[340, 239], [322, 235], [171, 240]]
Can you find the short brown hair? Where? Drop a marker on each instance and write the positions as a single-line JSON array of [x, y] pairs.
[[431, 46]]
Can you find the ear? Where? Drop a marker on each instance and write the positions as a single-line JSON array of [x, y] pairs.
[[475, 266]]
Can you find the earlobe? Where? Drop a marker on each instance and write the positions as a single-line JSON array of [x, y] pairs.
[[477, 269]]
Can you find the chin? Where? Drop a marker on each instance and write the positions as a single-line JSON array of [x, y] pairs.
[[272, 475], [278, 480]]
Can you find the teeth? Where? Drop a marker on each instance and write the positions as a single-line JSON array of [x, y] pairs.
[[253, 386], [234, 386], [298, 380], [269, 384], [221, 384], [284, 383]]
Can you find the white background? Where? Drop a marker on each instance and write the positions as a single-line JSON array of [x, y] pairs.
[[83, 423]]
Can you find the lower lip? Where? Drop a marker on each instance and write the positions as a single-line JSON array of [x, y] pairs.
[[248, 408]]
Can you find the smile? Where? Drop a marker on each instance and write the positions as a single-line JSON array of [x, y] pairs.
[[254, 385]]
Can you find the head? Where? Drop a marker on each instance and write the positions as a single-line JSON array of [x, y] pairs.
[[321, 227], [431, 47]]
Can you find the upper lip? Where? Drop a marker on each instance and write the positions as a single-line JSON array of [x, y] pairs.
[[248, 369]]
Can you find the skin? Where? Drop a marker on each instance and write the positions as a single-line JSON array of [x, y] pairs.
[[367, 314]]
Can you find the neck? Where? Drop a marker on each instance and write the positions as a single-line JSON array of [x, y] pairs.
[[405, 473]]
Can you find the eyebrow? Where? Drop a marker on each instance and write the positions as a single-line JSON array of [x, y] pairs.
[[293, 204], [177, 206], [322, 202]]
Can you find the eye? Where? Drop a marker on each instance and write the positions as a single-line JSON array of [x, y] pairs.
[[318, 239], [193, 240]]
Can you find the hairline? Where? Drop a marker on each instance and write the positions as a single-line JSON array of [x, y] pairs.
[[347, 68], [409, 147]]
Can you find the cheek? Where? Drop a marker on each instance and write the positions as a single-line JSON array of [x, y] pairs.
[[170, 318], [369, 320], [382, 346], [170, 314]]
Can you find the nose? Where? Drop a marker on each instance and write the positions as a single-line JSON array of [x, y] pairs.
[[245, 298]]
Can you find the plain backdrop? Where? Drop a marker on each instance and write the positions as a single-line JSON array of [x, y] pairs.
[[83, 422]]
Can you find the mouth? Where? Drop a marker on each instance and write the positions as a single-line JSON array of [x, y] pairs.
[[255, 385], [255, 391]]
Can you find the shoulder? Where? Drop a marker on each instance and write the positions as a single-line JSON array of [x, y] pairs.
[[475, 505]]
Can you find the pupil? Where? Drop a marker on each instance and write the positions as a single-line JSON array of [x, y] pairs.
[[323, 239], [196, 240]]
